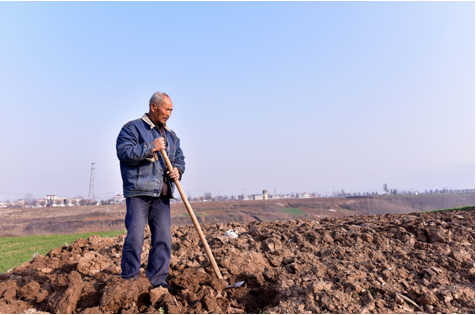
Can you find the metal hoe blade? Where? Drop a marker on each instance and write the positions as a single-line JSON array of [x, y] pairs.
[[235, 285]]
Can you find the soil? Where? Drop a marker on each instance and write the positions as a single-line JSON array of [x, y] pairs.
[[393, 263]]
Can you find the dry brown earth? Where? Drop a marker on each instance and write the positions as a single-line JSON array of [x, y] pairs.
[[401, 263]]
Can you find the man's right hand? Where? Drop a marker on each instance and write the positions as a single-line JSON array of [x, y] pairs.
[[159, 144]]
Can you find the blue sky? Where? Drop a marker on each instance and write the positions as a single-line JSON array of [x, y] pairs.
[[306, 96]]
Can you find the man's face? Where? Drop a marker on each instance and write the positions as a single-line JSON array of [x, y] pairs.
[[160, 114]]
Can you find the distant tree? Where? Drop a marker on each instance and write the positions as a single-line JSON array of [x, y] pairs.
[[42, 203], [29, 199], [222, 198], [385, 188], [208, 196]]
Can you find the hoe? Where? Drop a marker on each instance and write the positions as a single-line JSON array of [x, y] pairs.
[[197, 226]]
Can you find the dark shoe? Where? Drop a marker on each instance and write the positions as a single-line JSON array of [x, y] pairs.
[[168, 287]]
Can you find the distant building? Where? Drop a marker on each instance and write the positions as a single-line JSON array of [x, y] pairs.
[[55, 201], [280, 197], [118, 199], [257, 197], [72, 202], [20, 203], [265, 194], [41, 202], [59, 202], [50, 199]]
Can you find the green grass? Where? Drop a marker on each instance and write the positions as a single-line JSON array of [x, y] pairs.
[[293, 211], [196, 214], [14, 251], [466, 208]]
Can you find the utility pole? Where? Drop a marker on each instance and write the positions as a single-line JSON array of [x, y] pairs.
[[91, 182]]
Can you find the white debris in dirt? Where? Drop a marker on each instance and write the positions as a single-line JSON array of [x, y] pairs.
[[231, 234], [33, 311]]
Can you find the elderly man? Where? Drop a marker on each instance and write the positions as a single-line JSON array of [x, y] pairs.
[[148, 186]]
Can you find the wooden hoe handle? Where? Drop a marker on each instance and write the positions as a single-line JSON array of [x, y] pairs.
[[194, 219]]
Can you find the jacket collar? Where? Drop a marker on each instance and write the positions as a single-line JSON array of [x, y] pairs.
[[148, 121], [151, 124]]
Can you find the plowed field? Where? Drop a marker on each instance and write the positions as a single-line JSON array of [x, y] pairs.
[[399, 263]]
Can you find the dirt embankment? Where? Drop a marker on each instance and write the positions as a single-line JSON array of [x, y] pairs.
[[419, 262], [22, 222]]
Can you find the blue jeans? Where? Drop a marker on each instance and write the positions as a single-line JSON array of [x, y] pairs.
[[157, 211]]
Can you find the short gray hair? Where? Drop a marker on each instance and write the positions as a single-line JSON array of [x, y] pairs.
[[157, 98]]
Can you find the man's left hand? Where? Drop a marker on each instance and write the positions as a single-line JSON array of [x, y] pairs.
[[174, 174]]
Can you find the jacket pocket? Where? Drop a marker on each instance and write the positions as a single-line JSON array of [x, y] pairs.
[[143, 177]]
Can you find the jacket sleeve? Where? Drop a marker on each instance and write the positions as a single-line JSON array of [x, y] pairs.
[[179, 161], [128, 148]]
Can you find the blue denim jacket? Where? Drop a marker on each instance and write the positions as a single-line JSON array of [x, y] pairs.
[[142, 170]]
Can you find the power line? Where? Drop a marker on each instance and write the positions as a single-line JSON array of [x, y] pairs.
[[10, 193]]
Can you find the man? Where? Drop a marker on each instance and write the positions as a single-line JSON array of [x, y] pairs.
[[148, 186]]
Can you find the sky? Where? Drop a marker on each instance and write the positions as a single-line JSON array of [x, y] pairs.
[[283, 96]]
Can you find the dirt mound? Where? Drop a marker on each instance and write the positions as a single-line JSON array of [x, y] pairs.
[[420, 262]]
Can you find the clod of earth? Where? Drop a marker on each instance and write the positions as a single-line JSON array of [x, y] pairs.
[[423, 262]]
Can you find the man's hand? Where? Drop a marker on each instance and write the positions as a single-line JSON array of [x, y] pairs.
[[174, 174], [159, 144]]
